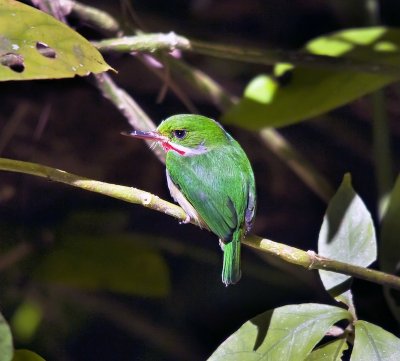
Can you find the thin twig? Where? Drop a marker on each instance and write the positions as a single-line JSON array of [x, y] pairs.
[[95, 17], [299, 164], [136, 117], [203, 83], [308, 260], [10, 128], [169, 83]]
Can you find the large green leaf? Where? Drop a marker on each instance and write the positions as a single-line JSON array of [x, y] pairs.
[[113, 262], [313, 91], [34, 45], [390, 246], [373, 343], [286, 333], [6, 344], [331, 351], [26, 355], [347, 234]]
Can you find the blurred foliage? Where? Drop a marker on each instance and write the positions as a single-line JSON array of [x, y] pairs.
[[273, 100], [6, 346], [88, 278], [26, 355], [113, 262], [26, 320]]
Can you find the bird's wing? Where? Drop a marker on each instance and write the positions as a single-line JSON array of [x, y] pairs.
[[217, 184]]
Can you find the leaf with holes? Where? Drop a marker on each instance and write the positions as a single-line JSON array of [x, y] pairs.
[[293, 95], [286, 333], [34, 45], [373, 343], [347, 234]]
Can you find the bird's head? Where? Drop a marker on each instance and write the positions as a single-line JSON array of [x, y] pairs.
[[186, 134]]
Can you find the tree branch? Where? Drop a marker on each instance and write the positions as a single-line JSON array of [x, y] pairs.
[[171, 41], [95, 17], [308, 260], [136, 117], [127, 194]]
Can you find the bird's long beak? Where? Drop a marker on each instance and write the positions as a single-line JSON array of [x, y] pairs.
[[139, 134]]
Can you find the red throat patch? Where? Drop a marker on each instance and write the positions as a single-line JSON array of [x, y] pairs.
[[168, 146]]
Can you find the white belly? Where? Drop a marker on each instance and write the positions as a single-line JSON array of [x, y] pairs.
[[184, 203]]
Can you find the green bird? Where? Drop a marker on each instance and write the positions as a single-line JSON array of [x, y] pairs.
[[211, 178]]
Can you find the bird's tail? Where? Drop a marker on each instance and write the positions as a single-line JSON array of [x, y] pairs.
[[231, 272]]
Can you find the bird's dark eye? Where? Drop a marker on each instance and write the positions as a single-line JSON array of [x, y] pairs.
[[179, 133]]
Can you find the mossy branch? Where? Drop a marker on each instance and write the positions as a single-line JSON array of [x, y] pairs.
[[308, 260]]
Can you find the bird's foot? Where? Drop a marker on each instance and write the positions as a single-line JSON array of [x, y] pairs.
[[186, 220], [221, 244]]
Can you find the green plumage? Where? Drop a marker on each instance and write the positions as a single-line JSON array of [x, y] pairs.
[[217, 181], [210, 176]]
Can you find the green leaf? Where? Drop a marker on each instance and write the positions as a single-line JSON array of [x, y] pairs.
[[26, 355], [110, 262], [331, 351], [288, 332], [309, 92], [34, 45], [6, 344], [347, 234], [373, 343], [390, 246]]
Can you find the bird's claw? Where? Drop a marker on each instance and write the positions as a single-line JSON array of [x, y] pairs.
[[186, 220]]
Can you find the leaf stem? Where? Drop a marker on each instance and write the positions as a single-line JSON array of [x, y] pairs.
[[299, 164], [308, 260]]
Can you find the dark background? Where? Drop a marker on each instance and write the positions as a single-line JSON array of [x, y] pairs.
[[67, 124]]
